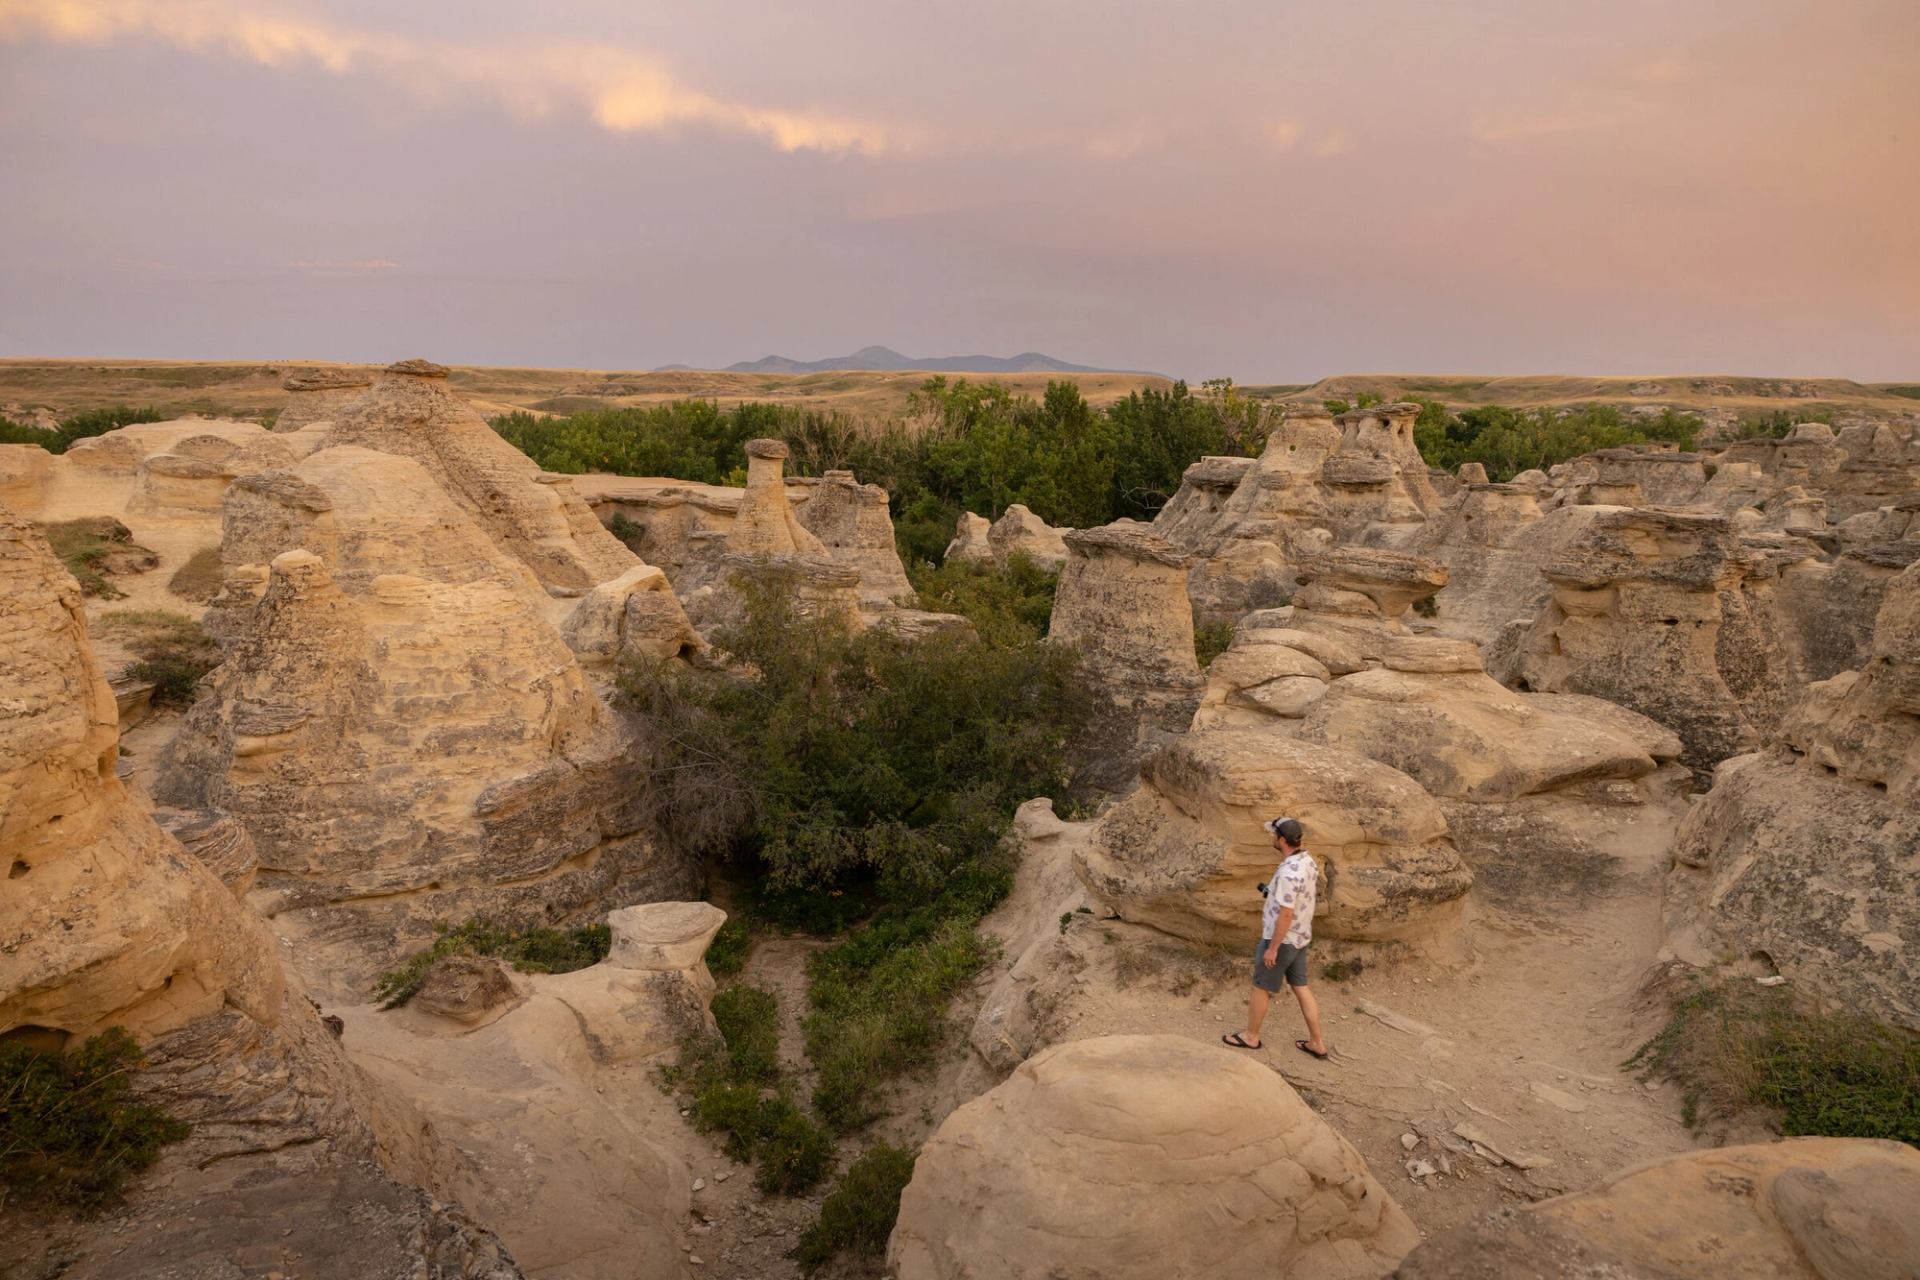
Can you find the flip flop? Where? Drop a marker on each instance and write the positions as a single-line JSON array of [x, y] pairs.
[[1234, 1040], [1303, 1047]]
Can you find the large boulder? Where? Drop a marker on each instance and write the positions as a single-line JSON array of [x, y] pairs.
[[1184, 852], [1124, 1157], [1804, 1209]]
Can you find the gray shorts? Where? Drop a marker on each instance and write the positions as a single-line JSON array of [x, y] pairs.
[[1292, 961]]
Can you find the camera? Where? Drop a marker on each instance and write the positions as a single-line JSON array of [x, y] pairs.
[[1262, 887]]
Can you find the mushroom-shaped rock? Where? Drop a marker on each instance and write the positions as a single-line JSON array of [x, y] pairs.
[[765, 524], [663, 935], [1803, 1209], [1183, 852], [1143, 1156]]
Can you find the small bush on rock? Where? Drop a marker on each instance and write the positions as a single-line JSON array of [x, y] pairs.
[[175, 652], [71, 1131]]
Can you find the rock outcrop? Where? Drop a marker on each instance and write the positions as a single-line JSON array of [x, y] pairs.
[[107, 922], [1184, 852], [1802, 854], [1020, 532], [1123, 1156], [1655, 609], [1122, 602], [397, 726], [318, 395], [530, 515], [854, 529], [1803, 1209], [970, 544], [1320, 482]]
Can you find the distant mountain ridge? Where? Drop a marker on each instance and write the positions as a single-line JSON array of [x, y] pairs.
[[882, 358]]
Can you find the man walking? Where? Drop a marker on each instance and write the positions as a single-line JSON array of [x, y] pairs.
[[1286, 928]]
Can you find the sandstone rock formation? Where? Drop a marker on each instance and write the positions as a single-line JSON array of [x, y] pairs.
[[107, 921], [1184, 852], [1318, 483], [318, 395], [829, 541], [1802, 854], [1124, 1156], [551, 1084], [532, 516], [396, 725], [1122, 602], [1803, 1209], [970, 543], [1020, 532], [1656, 609]]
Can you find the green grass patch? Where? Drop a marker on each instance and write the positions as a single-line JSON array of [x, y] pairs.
[[533, 949], [1737, 1047], [95, 549], [858, 1215], [172, 650], [749, 1021], [72, 1133], [728, 952], [879, 1007], [199, 578]]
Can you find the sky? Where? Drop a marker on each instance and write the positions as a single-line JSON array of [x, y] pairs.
[[1263, 189]]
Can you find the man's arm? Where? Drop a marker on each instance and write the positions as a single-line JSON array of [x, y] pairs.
[[1281, 923]]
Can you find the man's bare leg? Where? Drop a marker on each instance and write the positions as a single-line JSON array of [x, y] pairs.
[[1256, 1014], [1310, 1010]]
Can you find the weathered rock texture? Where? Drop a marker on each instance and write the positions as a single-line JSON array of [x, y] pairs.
[[552, 1083], [851, 521], [107, 921], [1122, 602], [1124, 1156], [970, 544], [829, 540], [1185, 851], [1805, 851], [318, 395], [396, 725], [1664, 612], [1318, 483], [1803, 1209], [532, 516], [1020, 532]]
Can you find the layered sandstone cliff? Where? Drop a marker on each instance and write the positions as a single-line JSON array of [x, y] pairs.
[[108, 921]]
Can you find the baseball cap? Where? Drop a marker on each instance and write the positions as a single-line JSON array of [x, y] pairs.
[[1288, 828]]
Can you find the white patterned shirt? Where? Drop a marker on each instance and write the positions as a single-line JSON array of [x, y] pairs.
[[1295, 885]]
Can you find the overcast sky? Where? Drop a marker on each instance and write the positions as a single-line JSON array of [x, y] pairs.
[[1266, 189]]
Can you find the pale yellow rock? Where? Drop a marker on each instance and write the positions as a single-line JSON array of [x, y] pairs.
[[534, 517], [1184, 852], [970, 544], [1020, 532], [1122, 1157], [1802, 1209], [663, 935]]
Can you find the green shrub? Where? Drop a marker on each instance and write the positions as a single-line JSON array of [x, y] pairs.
[[880, 1005], [71, 1131], [1509, 441], [1738, 1046], [12, 432], [795, 1153], [534, 949], [173, 651], [727, 954], [749, 1021], [858, 1215], [1210, 640], [1007, 604], [629, 531]]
